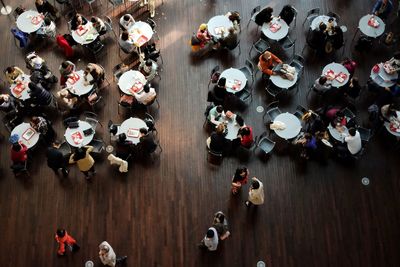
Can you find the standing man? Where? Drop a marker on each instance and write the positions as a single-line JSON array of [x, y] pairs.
[[107, 255], [55, 159], [256, 193], [63, 239], [151, 5], [210, 241]]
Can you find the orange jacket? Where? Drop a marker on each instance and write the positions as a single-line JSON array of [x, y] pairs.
[[67, 239], [266, 65]]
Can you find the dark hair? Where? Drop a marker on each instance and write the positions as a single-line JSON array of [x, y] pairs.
[[16, 147], [239, 120], [143, 130], [354, 80], [47, 21], [331, 19], [210, 233], [33, 86], [80, 153], [149, 63], [322, 80], [244, 131], [322, 27], [93, 19], [352, 131], [222, 82], [64, 64], [56, 143], [122, 137], [238, 172], [220, 109], [339, 113], [220, 217], [126, 17], [60, 232], [255, 184], [9, 69], [146, 88], [307, 136], [125, 35], [269, 9]]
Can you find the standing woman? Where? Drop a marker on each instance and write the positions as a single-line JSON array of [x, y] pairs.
[[84, 160], [240, 178]]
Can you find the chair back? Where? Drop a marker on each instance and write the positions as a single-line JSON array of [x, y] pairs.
[[98, 145], [65, 149], [265, 144], [334, 15], [313, 12], [249, 65], [273, 90], [152, 23], [300, 110], [272, 110], [214, 158], [348, 113], [365, 134]]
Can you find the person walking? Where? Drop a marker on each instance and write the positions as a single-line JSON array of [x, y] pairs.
[[84, 160], [55, 159], [63, 239], [256, 193], [108, 256], [210, 240], [240, 178], [220, 223]]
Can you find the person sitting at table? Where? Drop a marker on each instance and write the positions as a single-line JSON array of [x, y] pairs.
[[12, 74], [84, 160], [203, 35], [245, 135], [352, 88], [234, 16], [10, 107], [216, 142], [215, 114], [48, 29], [316, 39], [264, 16], [123, 147], [339, 120], [322, 84], [43, 126], [394, 62], [382, 8], [7, 103], [99, 25], [126, 43], [312, 122], [44, 7], [19, 153], [96, 72], [39, 96], [388, 111], [66, 68], [231, 40], [77, 21], [308, 143], [67, 101], [219, 90], [334, 40], [147, 96], [267, 61], [40, 72], [350, 65], [126, 21], [148, 68], [287, 14], [353, 144], [147, 144]]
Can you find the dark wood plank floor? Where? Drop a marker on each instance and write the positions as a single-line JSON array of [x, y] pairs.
[[314, 215]]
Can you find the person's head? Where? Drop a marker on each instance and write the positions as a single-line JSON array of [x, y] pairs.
[[39, 2], [203, 27], [339, 114], [307, 136], [148, 63], [322, 80], [122, 137], [322, 27], [16, 147], [80, 153], [35, 120], [267, 55], [78, 18], [245, 131], [219, 217], [352, 131], [210, 233], [124, 35], [60, 232], [231, 30], [14, 138], [397, 55], [10, 69], [143, 131], [146, 88], [242, 171], [56, 144], [330, 20], [269, 10], [47, 21], [255, 184], [64, 64], [93, 19], [221, 82], [220, 129], [104, 248], [239, 120], [126, 17], [337, 30], [220, 108], [32, 86], [235, 15]]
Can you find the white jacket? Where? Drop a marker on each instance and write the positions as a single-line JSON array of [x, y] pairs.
[[256, 196], [123, 165], [109, 258]]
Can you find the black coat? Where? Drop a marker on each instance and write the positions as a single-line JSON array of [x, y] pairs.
[[55, 158]]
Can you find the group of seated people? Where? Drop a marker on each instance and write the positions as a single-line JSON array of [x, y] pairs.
[[326, 38], [288, 13], [203, 42]]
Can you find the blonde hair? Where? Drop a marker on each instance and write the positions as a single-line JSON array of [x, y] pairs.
[[203, 27]]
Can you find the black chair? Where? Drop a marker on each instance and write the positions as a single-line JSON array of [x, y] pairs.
[[98, 146], [311, 15], [214, 75], [273, 90], [68, 120], [365, 134], [20, 168], [214, 158], [261, 45], [153, 26], [92, 119], [118, 70], [206, 112], [298, 62], [272, 110], [248, 71], [245, 95], [150, 123], [300, 110], [295, 12], [348, 114], [334, 15], [264, 144], [95, 48], [65, 149], [287, 44], [253, 15]]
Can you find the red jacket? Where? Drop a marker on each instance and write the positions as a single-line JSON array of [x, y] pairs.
[[19, 156], [66, 239], [247, 140]]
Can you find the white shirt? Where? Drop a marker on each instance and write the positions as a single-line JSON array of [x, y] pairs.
[[211, 243], [109, 258], [126, 24], [256, 196], [145, 98], [353, 143]]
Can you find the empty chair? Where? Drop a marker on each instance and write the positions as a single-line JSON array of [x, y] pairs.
[[334, 15], [153, 26], [300, 110], [298, 63], [273, 90], [264, 144], [95, 48], [214, 75], [260, 46], [90, 2], [118, 70], [214, 158], [248, 71], [311, 15], [98, 146], [365, 134], [65, 149], [272, 110], [91, 118], [253, 15], [245, 95], [20, 168], [287, 43], [109, 26]]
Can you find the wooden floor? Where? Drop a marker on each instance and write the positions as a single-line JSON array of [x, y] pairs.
[[315, 215]]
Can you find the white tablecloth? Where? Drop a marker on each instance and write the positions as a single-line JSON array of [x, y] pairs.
[[283, 83], [25, 79], [128, 79], [216, 23], [279, 34], [292, 123], [337, 68], [83, 125], [371, 31], [382, 78], [139, 30], [78, 88], [131, 128], [24, 21], [231, 75], [338, 136], [323, 18], [21, 129], [89, 36]]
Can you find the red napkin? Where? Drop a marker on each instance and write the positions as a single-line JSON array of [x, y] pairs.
[[73, 78], [274, 27], [18, 89], [372, 22], [81, 30], [137, 87], [376, 68], [341, 77], [330, 74], [36, 20], [77, 137]]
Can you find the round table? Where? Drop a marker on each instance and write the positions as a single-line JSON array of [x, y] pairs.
[[70, 133], [131, 128], [128, 80], [17, 91], [382, 78], [387, 126], [89, 36], [279, 34], [78, 88], [232, 126], [140, 33], [324, 19], [218, 23], [338, 136], [27, 135], [371, 31], [30, 21], [283, 83], [293, 125], [336, 68], [233, 76]]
